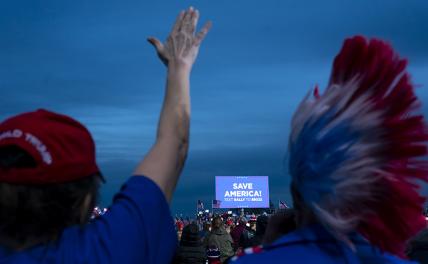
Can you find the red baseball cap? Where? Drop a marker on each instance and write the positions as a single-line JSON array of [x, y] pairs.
[[62, 148]]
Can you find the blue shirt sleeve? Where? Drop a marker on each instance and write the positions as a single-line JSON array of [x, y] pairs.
[[138, 228]]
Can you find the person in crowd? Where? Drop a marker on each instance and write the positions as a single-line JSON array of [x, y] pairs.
[[179, 224], [355, 155], [237, 232], [253, 223], [219, 238], [205, 231], [49, 178], [247, 234], [232, 224], [279, 224], [191, 249], [261, 224], [229, 225]]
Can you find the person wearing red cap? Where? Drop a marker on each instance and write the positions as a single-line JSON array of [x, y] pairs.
[[49, 178]]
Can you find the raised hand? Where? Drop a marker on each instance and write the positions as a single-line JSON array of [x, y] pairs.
[[165, 160], [182, 45]]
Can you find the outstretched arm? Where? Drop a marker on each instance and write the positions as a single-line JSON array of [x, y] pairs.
[[165, 160]]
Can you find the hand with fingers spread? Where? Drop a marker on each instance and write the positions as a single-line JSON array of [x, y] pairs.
[[182, 46]]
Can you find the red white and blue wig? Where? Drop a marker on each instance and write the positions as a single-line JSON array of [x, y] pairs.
[[358, 149]]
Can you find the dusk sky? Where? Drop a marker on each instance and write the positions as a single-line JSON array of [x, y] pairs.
[[91, 60]]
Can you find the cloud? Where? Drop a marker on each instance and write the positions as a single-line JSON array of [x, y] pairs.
[[90, 59]]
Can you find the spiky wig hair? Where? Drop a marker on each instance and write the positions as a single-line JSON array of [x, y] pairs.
[[357, 150]]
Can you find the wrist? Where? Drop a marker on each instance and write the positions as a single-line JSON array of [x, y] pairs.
[[179, 67]]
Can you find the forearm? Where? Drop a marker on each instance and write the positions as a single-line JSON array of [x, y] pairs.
[[174, 123], [174, 119], [164, 162]]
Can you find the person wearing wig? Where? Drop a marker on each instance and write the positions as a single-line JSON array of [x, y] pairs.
[[356, 153]]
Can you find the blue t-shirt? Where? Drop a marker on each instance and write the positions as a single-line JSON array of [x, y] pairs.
[[138, 228], [313, 244]]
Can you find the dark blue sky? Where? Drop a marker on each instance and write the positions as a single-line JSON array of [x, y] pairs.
[[90, 59]]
